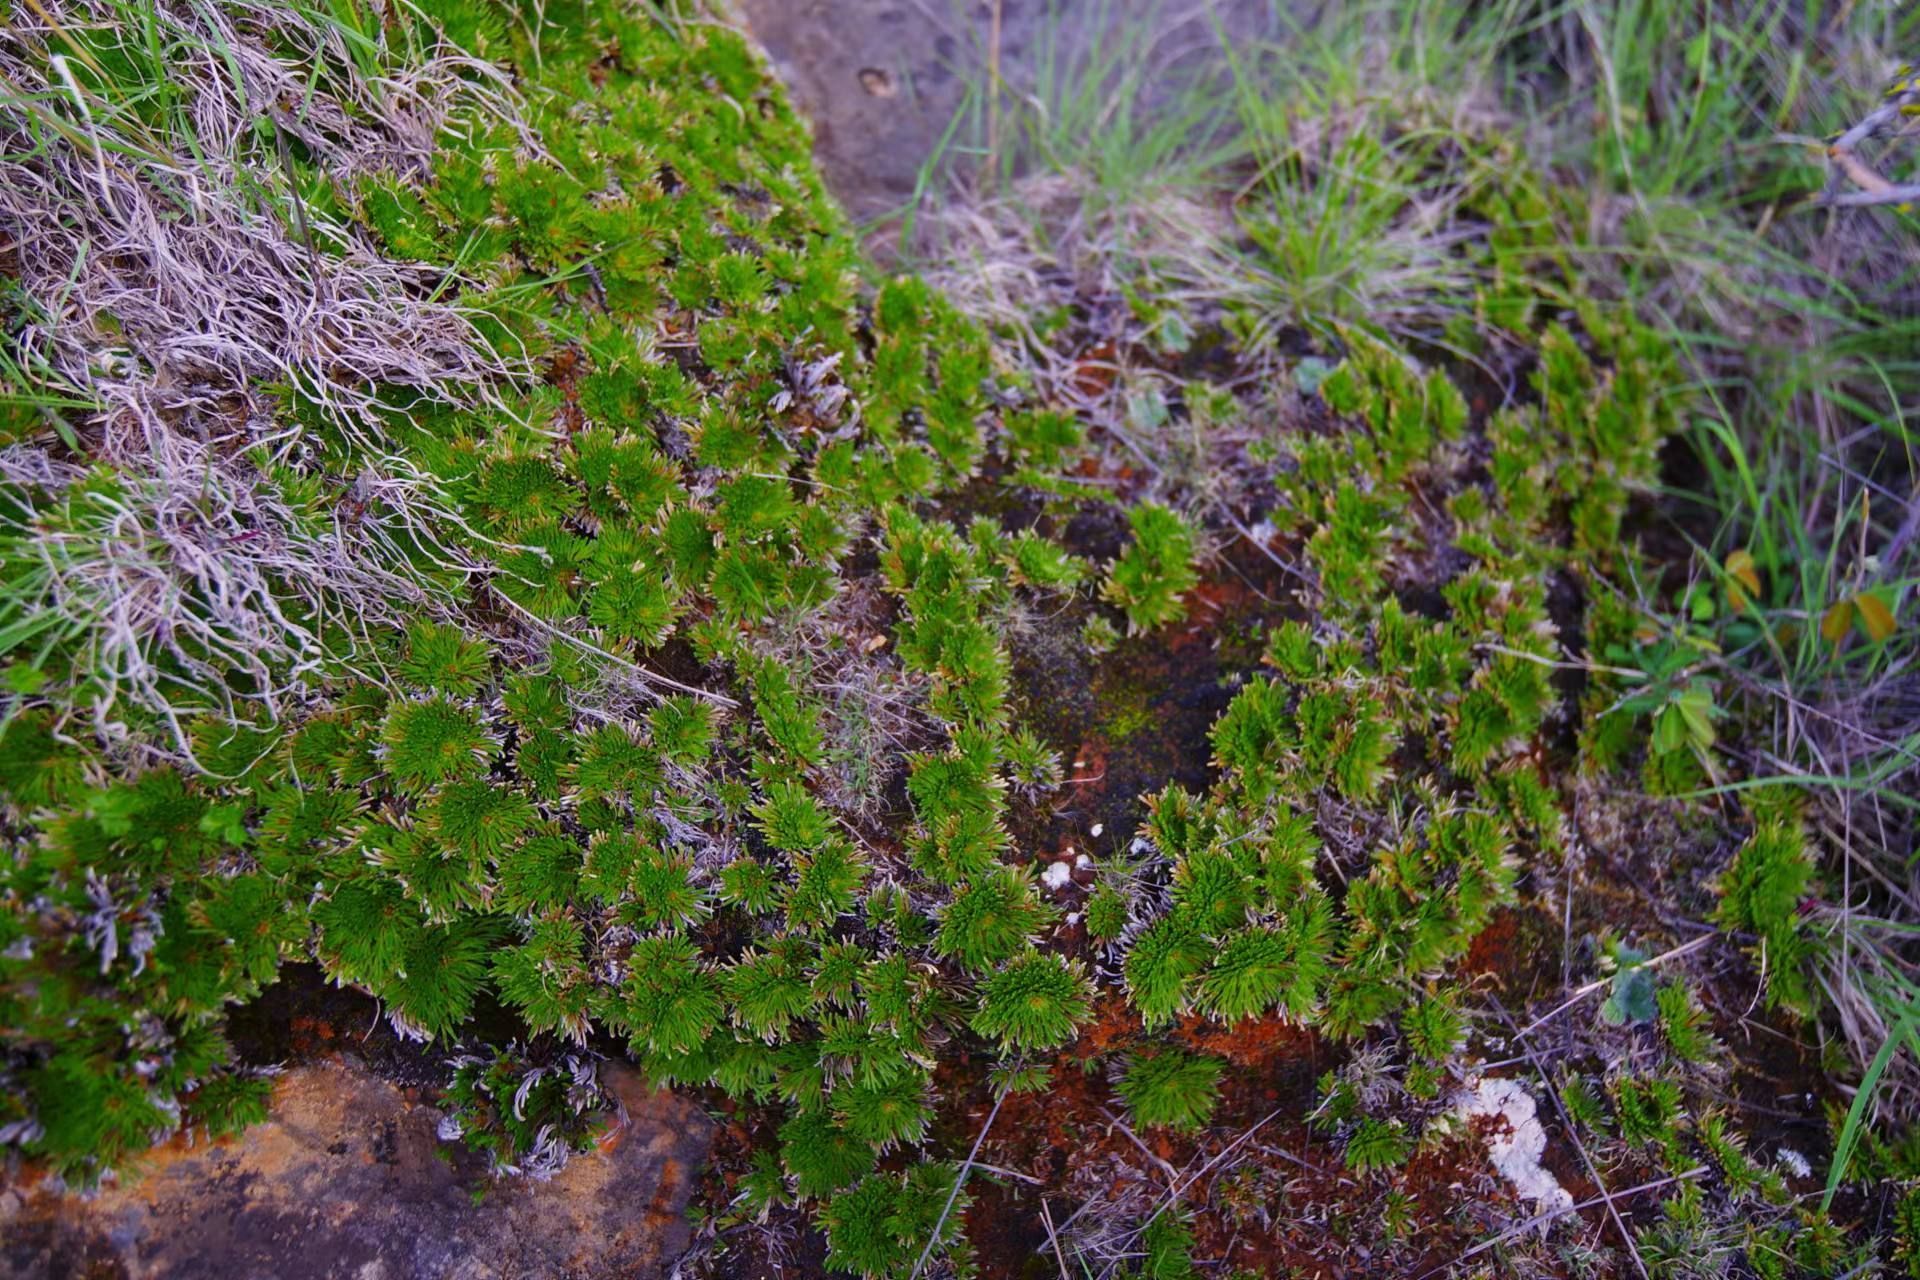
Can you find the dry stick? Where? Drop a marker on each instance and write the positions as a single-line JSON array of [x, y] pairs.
[[1241, 528], [960, 1180], [647, 677], [1843, 154], [1015, 1174], [1902, 536], [1176, 1191], [1046, 1217], [993, 89], [1173, 1174], [1598, 983], [1540, 1219]]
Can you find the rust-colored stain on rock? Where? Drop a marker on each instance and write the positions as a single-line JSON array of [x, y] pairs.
[[347, 1181]]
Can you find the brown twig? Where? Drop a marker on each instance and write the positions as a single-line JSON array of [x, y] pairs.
[[1846, 166], [994, 88], [1053, 1238], [1173, 1174], [1015, 1174]]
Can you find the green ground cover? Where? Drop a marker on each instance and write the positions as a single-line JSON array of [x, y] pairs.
[[474, 521]]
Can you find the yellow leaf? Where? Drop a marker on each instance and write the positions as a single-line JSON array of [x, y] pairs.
[[1746, 578], [1874, 616], [1835, 623]]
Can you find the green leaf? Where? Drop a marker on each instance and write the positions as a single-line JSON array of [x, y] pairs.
[[1697, 710], [1669, 729], [226, 823], [1632, 1000], [1855, 1124]]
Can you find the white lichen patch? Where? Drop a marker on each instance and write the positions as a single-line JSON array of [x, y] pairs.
[[1516, 1141], [1057, 876]]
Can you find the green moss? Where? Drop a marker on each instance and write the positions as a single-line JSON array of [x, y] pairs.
[[1761, 894], [1165, 1087], [432, 741], [1377, 1144], [1126, 711], [1035, 1001], [991, 920], [1152, 576], [726, 433]]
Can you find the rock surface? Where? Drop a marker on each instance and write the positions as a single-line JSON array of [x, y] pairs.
[[883, 80], [347, 1181]]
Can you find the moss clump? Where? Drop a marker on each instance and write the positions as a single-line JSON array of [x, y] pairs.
[[1149, 579], [1761, 894], [696, 726], [1168, 1088]]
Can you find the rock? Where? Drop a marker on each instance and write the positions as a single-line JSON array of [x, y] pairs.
[[347, 1181], [882, 80]]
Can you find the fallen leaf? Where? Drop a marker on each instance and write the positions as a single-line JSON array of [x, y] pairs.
[[1836, 621], [1745, 586], [1875, 617]]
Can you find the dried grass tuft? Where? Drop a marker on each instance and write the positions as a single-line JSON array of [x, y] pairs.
[[166, 271]]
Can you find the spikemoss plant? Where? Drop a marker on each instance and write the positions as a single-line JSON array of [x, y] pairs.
[[881, 1228], [588, 771], [1035, 1001], [432, 740], [991, 920], [1150, 578], [527, 1115], [1165, 1087], [1376, 1144], [1761, 894]]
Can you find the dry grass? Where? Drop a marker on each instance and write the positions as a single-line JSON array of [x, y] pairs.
[[167, 271]]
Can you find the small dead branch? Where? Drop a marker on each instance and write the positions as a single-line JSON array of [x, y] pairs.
[[1897, 116], [1172, 1174], [1053, 1239], [1543, 1219]]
